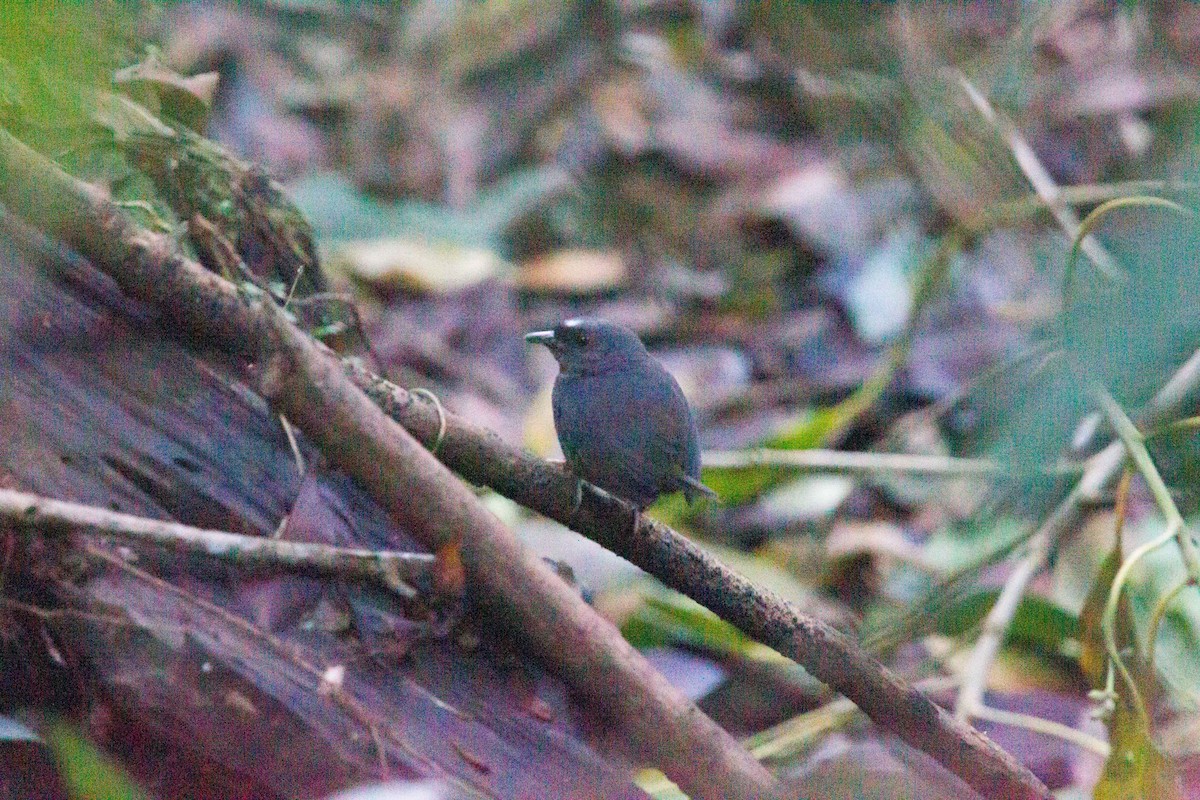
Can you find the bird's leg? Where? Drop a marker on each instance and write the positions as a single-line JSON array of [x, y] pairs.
[[577, 498]]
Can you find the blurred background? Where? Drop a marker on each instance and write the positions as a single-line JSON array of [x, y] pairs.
[[845, 228]]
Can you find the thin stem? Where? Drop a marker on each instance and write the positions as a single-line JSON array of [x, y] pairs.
[[1156, 617], [789, 737], [793, 735], [1039, 178], [1134, 443], [1046, 727], [1101, 469], [995, 626], [1089, 193], [841, 461], [1180, 387], [1108, 618]]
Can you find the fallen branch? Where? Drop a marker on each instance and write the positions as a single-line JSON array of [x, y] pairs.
[[54, 517], [305, 384]]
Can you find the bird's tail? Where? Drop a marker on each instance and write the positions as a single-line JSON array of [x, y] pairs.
[[692, 488]]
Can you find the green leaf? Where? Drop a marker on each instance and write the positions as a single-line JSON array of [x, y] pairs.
[[672, 619], [1038, 624], [1135, 769], [88, 773], [1093, 659], [667, 619], [339, 211]]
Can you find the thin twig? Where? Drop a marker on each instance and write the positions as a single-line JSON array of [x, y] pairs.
[[1176, 391], [1088, 194], [1039, 178], [840, 461], [56, 517], [789, 737], [1100, 471], [292, 443], [1046, 727], [1095, 193], [112, 620], [995, 625], [1159, 613], [786, 738]]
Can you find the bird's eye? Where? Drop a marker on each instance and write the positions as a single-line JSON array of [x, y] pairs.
[[581, 337]]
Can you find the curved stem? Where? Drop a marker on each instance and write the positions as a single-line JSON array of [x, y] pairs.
[[1131, 437], [1176, 529], [1156, 618]]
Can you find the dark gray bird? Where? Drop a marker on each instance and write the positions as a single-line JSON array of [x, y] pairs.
[[621, 418]]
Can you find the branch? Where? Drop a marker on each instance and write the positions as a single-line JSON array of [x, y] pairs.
[[56, 517], [303, 381], [482, 457]]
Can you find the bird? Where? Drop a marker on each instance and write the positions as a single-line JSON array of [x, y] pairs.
[[621, 418]]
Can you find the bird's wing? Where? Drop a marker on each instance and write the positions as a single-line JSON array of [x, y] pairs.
[[634, 437], [688, 480], [666, 422]]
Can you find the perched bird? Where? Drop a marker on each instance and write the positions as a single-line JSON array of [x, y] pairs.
[[622, 420]]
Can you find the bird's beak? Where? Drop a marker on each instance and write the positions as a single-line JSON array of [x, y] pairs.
[[543, 337]]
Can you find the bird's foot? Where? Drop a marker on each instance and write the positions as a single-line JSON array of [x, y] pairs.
[[577, 497], [577, 500]]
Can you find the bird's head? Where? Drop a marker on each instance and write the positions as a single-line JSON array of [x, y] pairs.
[[591, 346]]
